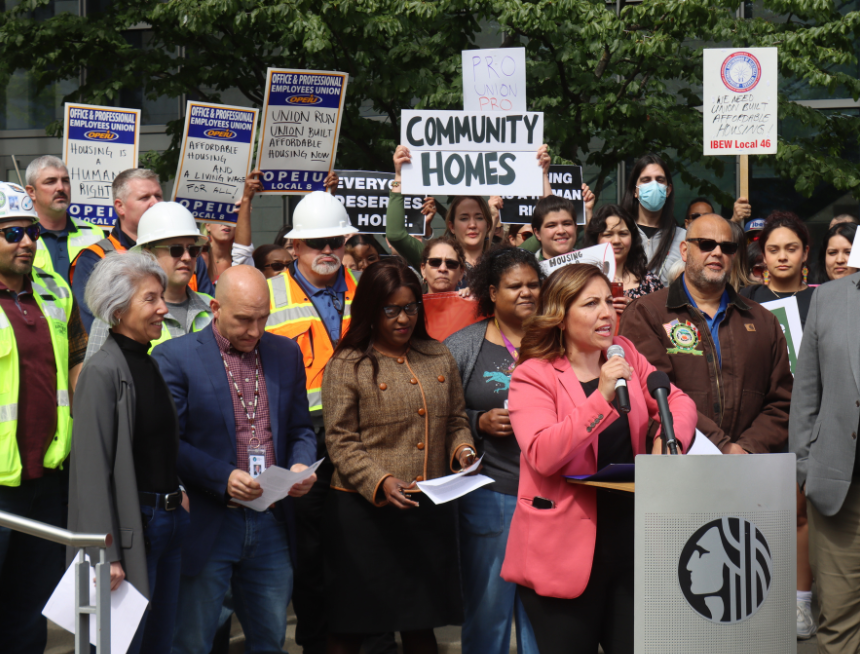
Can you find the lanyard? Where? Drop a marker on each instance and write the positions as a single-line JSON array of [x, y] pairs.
[[250, 416], [513, 351]]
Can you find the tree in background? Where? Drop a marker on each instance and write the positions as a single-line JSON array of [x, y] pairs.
[[612, 87]]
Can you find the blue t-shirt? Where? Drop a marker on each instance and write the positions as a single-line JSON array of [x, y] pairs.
[[328, 301]]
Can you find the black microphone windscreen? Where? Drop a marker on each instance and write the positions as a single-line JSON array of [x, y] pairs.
[[658, 379]]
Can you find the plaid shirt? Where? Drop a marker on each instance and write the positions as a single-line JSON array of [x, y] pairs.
[[242, 366]]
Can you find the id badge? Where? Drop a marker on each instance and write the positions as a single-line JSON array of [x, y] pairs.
[[256, 461]]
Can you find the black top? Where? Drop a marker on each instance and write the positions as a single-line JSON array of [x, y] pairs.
[[761, 293], [649, 231], [156, 428], [615, 509], [488, 389]]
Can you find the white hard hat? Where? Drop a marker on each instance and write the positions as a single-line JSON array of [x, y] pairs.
[[320, 215], [165, 220], [16, 204]]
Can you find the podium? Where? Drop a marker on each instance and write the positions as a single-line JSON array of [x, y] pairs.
[[716, 551]]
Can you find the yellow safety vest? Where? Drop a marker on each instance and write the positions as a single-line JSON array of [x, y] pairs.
[[172, 329], [55, 301], [86, 236]]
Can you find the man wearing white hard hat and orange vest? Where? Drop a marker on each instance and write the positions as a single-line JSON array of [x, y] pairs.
[[168, 231], [311, 304]]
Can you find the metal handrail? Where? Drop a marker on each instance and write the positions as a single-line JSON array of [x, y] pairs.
[[83, 608]]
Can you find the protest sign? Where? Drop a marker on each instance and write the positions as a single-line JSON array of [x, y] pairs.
[[216, 151], [302, 113], [788, 315], [739, 97], [494, 80], [601, 256], [472, 153], [446, 313], [854, 257], [98, 144], [566, 182], [365, 197]]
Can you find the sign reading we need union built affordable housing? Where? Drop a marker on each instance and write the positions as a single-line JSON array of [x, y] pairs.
[[300, 128], [215, 157], [98, 144]]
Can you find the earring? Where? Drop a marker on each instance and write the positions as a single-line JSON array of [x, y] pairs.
[[766, 277], [805, 274]]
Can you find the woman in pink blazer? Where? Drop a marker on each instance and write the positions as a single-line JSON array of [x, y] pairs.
[[570, 548]]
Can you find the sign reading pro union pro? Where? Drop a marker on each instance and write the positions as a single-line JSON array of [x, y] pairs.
[[739, 110]]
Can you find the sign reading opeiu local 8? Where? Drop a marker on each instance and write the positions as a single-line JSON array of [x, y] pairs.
[[215, 157], [740, 101], [365, 197], [472, 152], [98, 144], [494, 80], [566, 182], [300, 128]]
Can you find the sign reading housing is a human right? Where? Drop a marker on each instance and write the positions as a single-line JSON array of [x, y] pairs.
[[472, 153], [566, 182]]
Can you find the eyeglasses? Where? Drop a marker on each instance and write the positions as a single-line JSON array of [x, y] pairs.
[[334, 242], [15, 234], [277, 266], [176, 251], [709, 244], [393, 310], [450, 264]]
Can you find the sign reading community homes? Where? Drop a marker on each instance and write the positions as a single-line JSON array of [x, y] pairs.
[[365, 197], [602, 256], [566, 182], [98, 144], [302, 113], [472, 153], [739, 92], [494, 80], [214, 159]]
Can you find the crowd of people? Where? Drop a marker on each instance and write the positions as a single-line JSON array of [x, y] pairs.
[[150, 375]]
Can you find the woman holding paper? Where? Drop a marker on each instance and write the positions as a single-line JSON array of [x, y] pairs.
[[394, 417], [125, 443], [570, 548]]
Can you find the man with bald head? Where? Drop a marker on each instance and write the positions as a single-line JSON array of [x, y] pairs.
[[242, 406], [726, 352]]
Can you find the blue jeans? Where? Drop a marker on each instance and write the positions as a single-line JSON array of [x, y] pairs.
[[30, 567], [251, 553], [164, 531], [489, 602]]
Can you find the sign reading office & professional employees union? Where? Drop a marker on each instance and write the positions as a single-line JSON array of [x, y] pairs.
[[98, 144], [740, 101], [302, 114], [216, 155]]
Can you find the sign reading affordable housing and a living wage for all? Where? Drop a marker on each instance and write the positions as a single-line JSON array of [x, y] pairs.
[[365, 197], [494, 80], [740, 101], [98, 144], [566, 182], [215, 157], [472, 152], [301, 124]]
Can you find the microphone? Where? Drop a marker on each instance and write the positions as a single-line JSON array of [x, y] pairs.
[[658, 387], [621, 394]]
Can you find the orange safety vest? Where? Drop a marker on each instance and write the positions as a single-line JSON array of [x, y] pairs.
[[293, 315]]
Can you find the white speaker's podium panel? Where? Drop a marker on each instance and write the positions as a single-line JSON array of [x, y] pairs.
[[716, 551]]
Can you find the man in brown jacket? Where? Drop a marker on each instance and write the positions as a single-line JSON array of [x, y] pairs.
[[726, 352]]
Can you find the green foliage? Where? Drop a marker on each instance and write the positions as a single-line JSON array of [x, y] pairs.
[[612, 87]]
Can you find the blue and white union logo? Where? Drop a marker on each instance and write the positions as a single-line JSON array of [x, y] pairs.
[[741, 72]]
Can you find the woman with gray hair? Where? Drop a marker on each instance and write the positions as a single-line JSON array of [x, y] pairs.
[[125, 443]]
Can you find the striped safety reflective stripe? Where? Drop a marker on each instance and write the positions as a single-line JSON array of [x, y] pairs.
[[279, 291], [292, 314], [53, 311], [47, 281], [8, 412], [315, 399], [62, 398], [4, 321]]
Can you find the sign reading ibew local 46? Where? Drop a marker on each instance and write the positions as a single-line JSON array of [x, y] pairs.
[[740, 101], [98, 144]]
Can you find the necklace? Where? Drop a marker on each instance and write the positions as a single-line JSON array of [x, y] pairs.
[[250, 416], [783, 296]]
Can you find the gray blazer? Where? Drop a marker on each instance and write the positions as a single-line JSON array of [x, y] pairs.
[[825, 402], [465, 346], [103, 489]]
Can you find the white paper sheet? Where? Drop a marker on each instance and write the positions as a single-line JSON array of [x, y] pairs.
[[445, 489], [126, 609], [703, 445], [276, 483]]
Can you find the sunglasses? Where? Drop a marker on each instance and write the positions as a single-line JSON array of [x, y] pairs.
[[176, 251], [15, 234], [277, 266], [693, 216], [334, 242], [393, 310], [436, 262], [709, 245]]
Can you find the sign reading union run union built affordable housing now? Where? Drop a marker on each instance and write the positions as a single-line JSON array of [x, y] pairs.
[[98, 144], [300, 128]]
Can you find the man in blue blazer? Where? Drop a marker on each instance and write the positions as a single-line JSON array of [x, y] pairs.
[[242, 405]]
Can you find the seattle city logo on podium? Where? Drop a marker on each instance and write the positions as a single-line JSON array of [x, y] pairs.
[[725, 570], [740, 72]]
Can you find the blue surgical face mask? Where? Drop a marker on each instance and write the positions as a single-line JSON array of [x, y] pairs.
[[652, 195]]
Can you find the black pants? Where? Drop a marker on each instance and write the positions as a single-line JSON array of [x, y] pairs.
[[603, 614]]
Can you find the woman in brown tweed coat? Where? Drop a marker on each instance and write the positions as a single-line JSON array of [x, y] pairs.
[[394, 415]]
